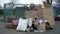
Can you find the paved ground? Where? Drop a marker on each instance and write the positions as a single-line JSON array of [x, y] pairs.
[[56, 30]]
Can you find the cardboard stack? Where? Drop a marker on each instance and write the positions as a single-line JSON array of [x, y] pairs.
[[45, 13], [36, 14], [48, 14]]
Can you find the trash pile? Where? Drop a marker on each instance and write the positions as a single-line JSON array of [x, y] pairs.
[[30, 24], [34, 21]]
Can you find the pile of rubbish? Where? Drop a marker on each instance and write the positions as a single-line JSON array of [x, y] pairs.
[[30, 24], [36, 20]]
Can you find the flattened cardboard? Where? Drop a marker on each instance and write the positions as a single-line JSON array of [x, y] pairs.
[[31, 14], [48, 14]]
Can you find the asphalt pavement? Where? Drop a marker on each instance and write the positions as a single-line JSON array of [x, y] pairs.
[[3, 30]]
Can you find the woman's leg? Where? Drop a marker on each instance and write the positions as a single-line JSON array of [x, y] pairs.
[[55, 11]]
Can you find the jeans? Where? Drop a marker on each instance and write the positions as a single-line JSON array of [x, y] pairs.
[[55, 11]]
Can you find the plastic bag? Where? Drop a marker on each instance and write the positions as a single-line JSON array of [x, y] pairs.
[[40, 21], [22, 25]]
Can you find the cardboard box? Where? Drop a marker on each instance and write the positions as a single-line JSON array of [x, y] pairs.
[[42, 27], [9, 25], [48, 14], [39, 12], [34, 14], [45, 13], [31, 14]]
